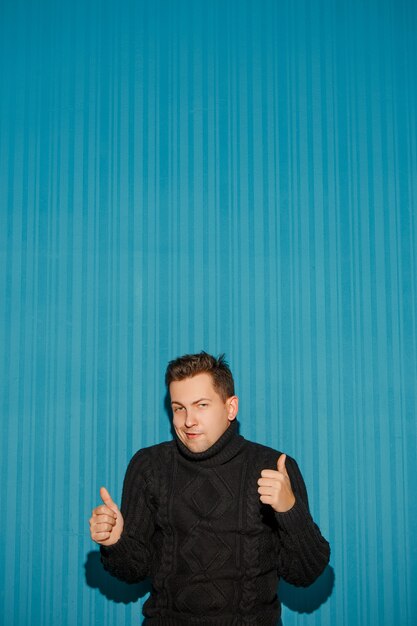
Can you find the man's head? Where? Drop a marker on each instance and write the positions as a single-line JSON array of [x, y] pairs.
[[190, 365], [202, 399]]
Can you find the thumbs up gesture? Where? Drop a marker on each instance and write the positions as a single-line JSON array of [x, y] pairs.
[[274, 487], [106, 522]]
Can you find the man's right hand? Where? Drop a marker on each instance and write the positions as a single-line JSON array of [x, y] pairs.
[[106, 522]]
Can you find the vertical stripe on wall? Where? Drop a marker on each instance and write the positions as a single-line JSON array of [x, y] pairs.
[[238, 177]]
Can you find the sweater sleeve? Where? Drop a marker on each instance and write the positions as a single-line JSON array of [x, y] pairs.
[[130, 558], [303, 552]]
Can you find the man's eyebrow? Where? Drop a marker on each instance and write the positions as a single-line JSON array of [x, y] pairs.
[[194, 402]]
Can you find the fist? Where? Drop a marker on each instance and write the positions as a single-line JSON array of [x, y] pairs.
[[274, 487], [106, 522]]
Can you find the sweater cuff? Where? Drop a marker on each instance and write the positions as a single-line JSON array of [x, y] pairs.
[[120, 548], [295, 520]]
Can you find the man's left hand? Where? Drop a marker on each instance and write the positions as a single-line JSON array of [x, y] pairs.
[[274, 487]]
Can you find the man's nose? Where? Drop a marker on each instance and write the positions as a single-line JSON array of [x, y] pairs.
[[190, 419]]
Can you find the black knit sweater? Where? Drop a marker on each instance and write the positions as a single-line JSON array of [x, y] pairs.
[[195, 525]]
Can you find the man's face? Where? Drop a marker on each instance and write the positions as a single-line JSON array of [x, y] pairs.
[[200, 415]]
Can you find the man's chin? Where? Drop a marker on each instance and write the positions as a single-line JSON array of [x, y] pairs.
[[195, 444]]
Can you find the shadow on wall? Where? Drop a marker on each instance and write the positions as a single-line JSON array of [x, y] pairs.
[[308, 599], [113, 589]]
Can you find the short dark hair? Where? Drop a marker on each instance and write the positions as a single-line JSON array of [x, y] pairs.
[[190, 365]]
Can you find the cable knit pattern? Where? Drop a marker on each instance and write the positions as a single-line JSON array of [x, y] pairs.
[[194, 523]]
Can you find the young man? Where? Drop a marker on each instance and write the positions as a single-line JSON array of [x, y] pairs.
[[214, 520]]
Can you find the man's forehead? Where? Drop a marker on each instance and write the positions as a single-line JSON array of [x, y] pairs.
[[193, 388]]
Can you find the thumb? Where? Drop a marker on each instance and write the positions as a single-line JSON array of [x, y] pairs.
[[281, 465], [105, 496]]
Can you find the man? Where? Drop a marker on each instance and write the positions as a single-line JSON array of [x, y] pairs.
[[214, 520]]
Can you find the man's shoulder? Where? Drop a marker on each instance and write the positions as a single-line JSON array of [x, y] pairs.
[[262, 452], [261, 448], [268, 457], [148, 455]]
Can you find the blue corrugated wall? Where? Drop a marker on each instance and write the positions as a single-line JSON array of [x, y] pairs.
[[179, 175]]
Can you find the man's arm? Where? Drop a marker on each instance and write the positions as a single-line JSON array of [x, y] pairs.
[[126, 553], [303, 552]]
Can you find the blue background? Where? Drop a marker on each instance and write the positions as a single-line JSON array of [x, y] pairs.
[[239, 177]]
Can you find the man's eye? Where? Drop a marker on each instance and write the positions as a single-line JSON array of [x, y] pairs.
[[178, 408], [202, 405]]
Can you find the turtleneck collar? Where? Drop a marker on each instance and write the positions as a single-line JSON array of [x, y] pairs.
[[225, 448]]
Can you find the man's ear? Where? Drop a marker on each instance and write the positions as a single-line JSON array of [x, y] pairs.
[[232, 404]]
